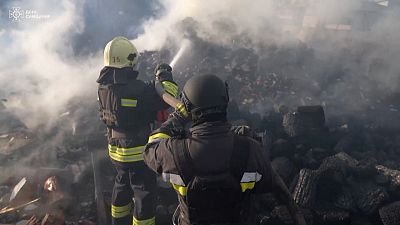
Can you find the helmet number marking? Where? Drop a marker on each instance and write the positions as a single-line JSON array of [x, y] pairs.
[[116, 59]]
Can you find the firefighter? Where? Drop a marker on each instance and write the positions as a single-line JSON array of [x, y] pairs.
[[128, 106], [212, 169]]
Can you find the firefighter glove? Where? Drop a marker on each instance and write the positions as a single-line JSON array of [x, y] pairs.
[[163, 72]]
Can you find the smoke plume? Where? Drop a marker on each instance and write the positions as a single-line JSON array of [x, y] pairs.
[[51, 63], [341, 54]]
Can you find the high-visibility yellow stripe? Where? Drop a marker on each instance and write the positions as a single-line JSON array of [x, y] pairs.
[[170, 87], [128, 102], [124, 208], [154, 137], [176, 181], [249, 180], [171, 93], [247, 186], [126, 151], [181, 189], [125, 158], [181, 108], [151, 221], [120, 211], [120, 214]]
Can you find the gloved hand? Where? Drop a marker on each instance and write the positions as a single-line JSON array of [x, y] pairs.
[[243, 131], [163, 72], [175, 125], [180, 114], [167, 86], [164, 81]]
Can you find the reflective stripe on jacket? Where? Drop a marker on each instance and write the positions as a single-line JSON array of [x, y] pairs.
[[210, 146]]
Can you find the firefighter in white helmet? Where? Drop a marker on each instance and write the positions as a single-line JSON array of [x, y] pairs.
[[128, 106]]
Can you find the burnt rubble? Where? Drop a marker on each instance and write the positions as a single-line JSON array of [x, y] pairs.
[[335, 142], [341, 170], [339, 177], [46, 176]]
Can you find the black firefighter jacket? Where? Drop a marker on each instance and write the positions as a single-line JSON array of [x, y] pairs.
[[134, 103], [210, 146]]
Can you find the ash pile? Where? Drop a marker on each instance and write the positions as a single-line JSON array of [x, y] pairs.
[[343, 170], [338, 175], [46, 174], [348, 81], [340, 158]]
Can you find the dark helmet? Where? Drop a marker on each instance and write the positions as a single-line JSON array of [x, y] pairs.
[[205, 94]]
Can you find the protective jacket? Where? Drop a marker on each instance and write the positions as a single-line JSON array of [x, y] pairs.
[[200, 178], [128, 106]]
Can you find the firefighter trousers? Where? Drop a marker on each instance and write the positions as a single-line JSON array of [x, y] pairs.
[[134, 188]]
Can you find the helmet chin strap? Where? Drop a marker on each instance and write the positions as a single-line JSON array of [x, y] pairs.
[[209, 116], [186, 102], [205, 112], [198, 113]]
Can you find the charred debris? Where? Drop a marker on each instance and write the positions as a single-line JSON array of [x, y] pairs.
[[330, 131]]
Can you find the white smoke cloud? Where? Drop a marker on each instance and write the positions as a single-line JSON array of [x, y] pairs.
[[39, 71], [360, 36], [246, 16], [260, 20]]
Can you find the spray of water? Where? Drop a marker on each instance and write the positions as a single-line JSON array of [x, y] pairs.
[[185, 44]]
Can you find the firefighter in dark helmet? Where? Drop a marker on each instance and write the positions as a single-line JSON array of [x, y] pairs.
[[212, 169], [128, 106]]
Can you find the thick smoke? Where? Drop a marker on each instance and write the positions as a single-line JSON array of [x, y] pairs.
[[50, 64], [39, 71], [341, 54], [217, 21], [50, 59], [261, 21]]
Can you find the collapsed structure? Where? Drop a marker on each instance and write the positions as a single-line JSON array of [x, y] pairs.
[[333, 139]]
